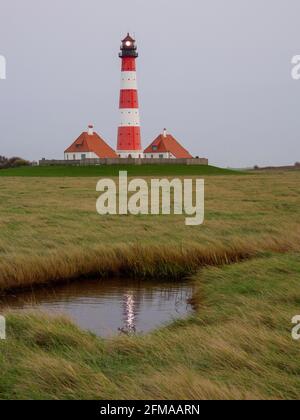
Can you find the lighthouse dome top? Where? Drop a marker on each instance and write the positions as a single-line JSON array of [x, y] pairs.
[[128, 47], [128, 39]]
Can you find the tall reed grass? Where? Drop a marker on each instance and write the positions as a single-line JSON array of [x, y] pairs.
[[50, 231]]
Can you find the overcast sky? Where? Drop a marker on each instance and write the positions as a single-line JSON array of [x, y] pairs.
[[216, 73]]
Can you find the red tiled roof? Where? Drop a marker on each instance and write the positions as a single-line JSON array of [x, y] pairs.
[[92, 143], [168, 144]]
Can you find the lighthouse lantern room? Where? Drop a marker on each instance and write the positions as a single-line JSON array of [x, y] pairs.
[[129, 132]]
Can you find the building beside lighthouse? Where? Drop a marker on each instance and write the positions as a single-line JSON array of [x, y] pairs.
[[89, 145], [129, 132], [165, 146]]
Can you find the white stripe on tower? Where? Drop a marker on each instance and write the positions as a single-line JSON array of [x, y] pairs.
[[130, 117], [128, 80]]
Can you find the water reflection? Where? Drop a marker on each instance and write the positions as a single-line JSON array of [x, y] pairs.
[[129, 314], [110, 306]]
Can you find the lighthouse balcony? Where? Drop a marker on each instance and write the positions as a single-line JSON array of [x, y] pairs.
[[131, 53]]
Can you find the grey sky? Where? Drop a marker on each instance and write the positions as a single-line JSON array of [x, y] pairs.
[[216, 73]]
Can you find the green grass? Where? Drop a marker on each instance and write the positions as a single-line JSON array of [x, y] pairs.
[[51, 232], [133, 170], [238, 345]]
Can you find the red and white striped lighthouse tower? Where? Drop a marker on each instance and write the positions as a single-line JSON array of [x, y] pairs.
[[129, 133]]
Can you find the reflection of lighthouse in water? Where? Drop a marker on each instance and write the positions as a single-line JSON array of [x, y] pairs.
[[130, 312], [167, 302]]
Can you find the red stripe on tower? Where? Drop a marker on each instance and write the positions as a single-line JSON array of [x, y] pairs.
[[129, 133]]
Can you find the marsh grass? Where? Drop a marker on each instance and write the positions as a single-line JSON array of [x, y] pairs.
[[237, 346], [50, 231]]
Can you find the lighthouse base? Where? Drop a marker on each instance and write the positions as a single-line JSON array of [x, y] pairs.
[[127, 154]]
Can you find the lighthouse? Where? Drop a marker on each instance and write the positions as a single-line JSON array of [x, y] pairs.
[[129, 132]]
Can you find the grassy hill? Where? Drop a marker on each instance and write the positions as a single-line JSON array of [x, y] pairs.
[[95, 171]]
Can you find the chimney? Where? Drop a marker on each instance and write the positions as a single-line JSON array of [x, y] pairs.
[[91, 130], [165, 133]]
